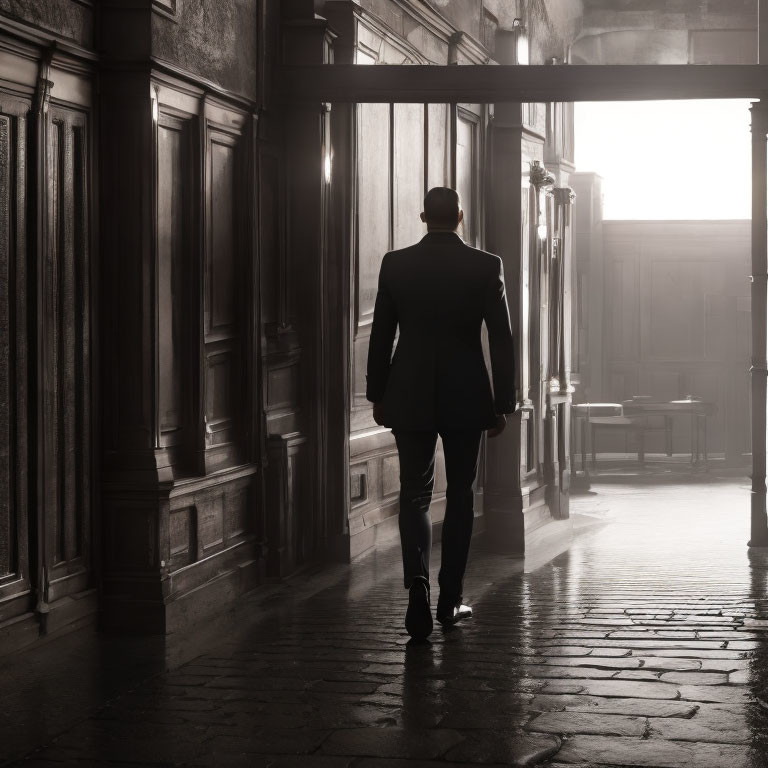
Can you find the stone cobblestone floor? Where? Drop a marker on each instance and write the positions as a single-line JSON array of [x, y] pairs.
[[644, 644]]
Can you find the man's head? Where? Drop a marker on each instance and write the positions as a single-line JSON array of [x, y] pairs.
[[442, 209]]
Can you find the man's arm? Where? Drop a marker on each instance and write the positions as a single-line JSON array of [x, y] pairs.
[[382, 338], [502, 348]]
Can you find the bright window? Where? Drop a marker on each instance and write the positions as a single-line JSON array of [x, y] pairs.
[[668, 159]]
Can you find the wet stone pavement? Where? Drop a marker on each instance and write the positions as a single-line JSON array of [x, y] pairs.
[[644, 644]]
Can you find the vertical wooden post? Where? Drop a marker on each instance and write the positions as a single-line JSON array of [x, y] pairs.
[[504, 500], [759, 370], [762, 31], [43, 494]]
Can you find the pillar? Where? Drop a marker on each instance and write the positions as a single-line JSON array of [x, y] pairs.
[[762, 31], [759, 369], [505, 499]]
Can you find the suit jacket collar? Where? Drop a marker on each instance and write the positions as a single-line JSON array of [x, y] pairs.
[[441, 237]]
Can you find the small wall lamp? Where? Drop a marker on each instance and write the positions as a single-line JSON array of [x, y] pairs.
[[522, 54]]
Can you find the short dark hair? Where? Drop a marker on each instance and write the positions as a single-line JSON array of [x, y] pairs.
[[441, 207]]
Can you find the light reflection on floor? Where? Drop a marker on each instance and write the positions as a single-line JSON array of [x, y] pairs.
[[642, 645]]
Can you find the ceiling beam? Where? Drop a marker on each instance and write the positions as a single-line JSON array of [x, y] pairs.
[[488, 84]]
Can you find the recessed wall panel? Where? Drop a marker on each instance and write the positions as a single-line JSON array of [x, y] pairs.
[[408, 187], [374, 217], [174, 274], [221, 275], [438, 141]]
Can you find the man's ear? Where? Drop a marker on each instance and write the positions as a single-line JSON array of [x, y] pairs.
[[421, 216], [461, 217]]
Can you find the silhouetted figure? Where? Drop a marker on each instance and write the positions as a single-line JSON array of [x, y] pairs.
[[438, 292]]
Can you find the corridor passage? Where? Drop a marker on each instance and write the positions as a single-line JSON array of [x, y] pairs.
[[645, 644]]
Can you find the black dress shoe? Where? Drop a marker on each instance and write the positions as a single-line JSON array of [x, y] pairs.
[[450, 613], [418, 617]]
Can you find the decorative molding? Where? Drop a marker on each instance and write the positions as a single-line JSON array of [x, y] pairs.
[[376, 25], [759, 126], [476, 52], [165, 8], [564, 195], [13, 31], [540, 176], [159, 66]]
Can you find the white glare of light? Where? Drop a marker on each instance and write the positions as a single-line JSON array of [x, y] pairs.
[[155, 109], [327, 167], [522, 48], [542, 231], [684, 160]]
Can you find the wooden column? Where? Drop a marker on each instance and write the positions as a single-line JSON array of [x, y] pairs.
[[504, 501], [759, 527], [561, 390], [320, 322], [41, 493], [564, 198]]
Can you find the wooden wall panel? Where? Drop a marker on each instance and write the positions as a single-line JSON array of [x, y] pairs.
[[672, 319], [270, 202], [374, 227], [682, 289], [220, 269], [14, 531], [438, 144], [8, 521], [625, 326], [224, 294], [408, 181], [176, 275], [66, 400], [291, 541], [374, 217], [467, 155]]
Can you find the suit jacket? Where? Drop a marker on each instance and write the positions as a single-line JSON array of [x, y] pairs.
[[438, 292]]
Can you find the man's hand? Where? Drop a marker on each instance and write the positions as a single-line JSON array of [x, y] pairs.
[[378, 415], [498, 428]]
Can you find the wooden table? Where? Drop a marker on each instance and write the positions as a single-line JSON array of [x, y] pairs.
[[698, 411], [634, 415]]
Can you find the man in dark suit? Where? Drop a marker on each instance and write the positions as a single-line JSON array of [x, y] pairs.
[[438, 292]]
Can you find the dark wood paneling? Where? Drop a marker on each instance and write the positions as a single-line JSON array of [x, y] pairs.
[[294, 536], [66, 399], [14, 349], [492, 84], [183, 536], [224, 297], [221, 401], [8, 522], [273, 289], [176, 275]]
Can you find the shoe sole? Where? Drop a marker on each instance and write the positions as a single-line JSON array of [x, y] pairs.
[[418, 617], [449, 622]]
